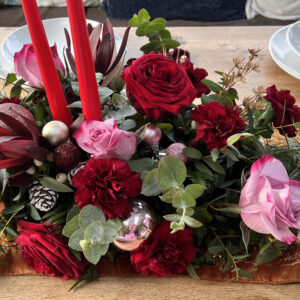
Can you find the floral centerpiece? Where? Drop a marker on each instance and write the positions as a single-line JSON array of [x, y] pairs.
[[175, 183]]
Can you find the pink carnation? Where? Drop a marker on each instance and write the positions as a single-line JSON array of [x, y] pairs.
[[270, 201], [105, 140]]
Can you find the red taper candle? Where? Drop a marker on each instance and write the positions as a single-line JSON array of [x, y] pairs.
[[52, 84], [88, 86]]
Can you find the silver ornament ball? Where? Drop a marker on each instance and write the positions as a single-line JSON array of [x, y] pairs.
[[136, 227], [55, 132]]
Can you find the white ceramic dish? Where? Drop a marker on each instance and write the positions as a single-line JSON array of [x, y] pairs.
[[55, 34], [282, 54], [293, 37]]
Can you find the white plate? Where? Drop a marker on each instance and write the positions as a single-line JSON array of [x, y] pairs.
[[293, 37], [282, 54], [55, 34]]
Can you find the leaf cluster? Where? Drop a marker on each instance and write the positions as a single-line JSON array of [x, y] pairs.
[[159, 37], [89, 231]]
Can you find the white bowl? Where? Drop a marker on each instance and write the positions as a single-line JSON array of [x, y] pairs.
[[55, 34], [293, 37], [282, 54]]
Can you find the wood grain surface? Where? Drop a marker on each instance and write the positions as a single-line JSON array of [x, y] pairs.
[[211, 48]]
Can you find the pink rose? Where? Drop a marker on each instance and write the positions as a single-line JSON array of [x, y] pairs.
[[270, 201], [105, 140], [26, 65]]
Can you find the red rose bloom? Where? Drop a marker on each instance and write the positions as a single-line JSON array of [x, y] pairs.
[[46, 252], [108, 184], [158, 86], [14, 100], [163, 253], [216, 124], [286, 112]]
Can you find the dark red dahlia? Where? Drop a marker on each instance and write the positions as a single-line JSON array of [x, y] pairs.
[[286, 112], [216, 124], [108, 184], [163, 253]]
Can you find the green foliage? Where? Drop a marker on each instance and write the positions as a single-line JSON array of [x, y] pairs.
[[90, 233], [268, 252], [159, 37], [55, 185]]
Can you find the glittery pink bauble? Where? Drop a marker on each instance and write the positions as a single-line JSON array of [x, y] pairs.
[[67, 156], [176, 150]]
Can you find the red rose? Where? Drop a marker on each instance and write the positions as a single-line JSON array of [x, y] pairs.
[[163, 253], [107, 183], [158, 86], [46, 252], [216, 124], [10, 100], [286, 112]]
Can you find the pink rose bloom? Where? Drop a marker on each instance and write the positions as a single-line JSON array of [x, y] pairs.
[[270, 201], [26, 65], [105, 140]]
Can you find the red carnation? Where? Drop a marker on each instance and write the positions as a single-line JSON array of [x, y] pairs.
[[286, 112], [216, 124], [14, 100], [163, 253], [108, 184], [46, 252], [158, 86], [196, 76]]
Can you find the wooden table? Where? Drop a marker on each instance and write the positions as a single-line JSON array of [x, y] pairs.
[[212, 48]]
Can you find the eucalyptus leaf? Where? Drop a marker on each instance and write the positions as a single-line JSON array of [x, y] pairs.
[[192, 153], [115, 224], [172, 218], [150, 186], [171, 173], [191, 222], [94, 232], [183, 200], [76, 237], [169, 196], [71, 226], [195, 190], [94, 252], [188, 211], [90, 214], [74, 211]]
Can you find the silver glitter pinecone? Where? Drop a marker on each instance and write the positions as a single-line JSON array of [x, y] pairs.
[[41, 197]]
